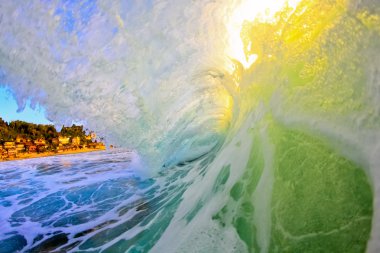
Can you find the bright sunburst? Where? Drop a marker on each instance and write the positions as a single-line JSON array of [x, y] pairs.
[[249, 10]]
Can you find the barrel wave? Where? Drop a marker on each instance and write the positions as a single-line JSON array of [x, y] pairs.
[[275, 151]]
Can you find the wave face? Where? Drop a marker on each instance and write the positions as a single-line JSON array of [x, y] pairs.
[[280, 155], [139, 68]]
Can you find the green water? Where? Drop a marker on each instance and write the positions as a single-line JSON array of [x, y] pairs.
[[321, 202], [305, 187]]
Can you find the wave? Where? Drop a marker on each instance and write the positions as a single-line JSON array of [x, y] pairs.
[[282, 153], [130, 70]]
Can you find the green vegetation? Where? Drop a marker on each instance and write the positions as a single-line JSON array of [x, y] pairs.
[[74, 131], [29, 131], [9, 132]]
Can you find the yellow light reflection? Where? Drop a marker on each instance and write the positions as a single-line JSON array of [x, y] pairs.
[[226, 115], [250, 10]]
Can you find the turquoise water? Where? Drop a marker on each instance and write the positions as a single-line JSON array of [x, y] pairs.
[[231, 155], [87, 202]]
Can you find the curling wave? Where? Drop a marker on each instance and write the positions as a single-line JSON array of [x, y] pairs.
[[276, 152]]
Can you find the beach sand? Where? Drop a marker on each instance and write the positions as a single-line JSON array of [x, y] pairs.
[[22, 156]]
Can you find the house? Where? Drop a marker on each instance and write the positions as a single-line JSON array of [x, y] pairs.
[[101, 145], [12, 152], [96, 145], [28, 143], [63, 148], [75, 141], [31, 148], [93, 135], [3, 153], [40, 142], [21, 139], [55, 141], [41, 148], [91, 145], [20, 147], [63, 140], [9, 145]]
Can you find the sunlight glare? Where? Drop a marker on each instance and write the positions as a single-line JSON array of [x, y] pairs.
[[249, 10]]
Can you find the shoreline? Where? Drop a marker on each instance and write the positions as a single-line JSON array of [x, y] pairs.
[[25, 156]]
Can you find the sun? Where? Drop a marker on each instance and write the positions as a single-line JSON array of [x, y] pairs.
[[249, 10]]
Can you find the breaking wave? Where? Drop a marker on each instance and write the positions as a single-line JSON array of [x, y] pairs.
[[276, 154]]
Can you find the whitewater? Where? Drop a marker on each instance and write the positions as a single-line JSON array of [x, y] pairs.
[[245, 127]]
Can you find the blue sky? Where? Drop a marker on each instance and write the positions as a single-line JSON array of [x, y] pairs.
[[8, 110], [8, 105]]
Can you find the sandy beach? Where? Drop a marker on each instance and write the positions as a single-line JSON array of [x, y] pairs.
[[22, 156]]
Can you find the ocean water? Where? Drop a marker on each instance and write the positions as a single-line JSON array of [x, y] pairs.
[[252, 130]]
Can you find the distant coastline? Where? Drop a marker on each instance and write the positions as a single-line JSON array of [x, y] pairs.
[[23, 156], [23, 140]]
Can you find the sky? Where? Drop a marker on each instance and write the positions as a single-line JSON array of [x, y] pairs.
[[8, 110], [8, 104]]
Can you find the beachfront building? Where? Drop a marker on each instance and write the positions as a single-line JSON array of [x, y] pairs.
[[12, 152], [28, 144], [75, 141], [40, 145], [93, 135], [63, 140], [20, 143], [9, 145], [64, 143], [3, 152], [21, 139], [92, 145], [41, 148], [40, 142], [55, 141], [96, 145], [31, 148], [20, 147], [10, 149], [101, 145]]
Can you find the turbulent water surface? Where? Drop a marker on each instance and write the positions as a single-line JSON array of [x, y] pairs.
[[254, 131]]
